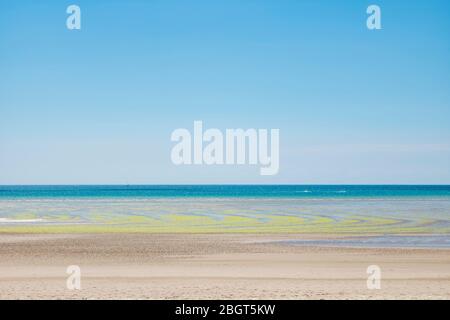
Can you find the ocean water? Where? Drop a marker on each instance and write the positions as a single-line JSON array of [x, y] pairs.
[[397, 211], [383, 241], [226, 191]]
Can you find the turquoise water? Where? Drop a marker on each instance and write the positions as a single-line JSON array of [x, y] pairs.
[[225, 191], [345, 210]]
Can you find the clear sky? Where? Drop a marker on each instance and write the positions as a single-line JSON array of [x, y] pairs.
[[98, 105]]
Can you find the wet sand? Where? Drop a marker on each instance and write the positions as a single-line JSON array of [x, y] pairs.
[[212, 266]]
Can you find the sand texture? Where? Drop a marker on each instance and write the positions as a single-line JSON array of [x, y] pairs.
[[212, 266]]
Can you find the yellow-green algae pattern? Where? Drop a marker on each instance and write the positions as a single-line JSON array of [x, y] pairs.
[[200, 215]]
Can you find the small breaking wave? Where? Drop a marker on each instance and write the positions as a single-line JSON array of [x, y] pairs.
[[8, 220]]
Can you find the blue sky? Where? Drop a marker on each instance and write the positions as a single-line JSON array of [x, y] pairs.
[[98, 105]]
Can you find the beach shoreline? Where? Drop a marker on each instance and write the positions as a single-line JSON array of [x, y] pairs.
[[213, 266]]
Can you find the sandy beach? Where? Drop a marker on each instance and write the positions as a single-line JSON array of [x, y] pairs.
[[212, 266]]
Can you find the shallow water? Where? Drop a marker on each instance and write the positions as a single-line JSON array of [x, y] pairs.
[[269, 215], [384, 241]]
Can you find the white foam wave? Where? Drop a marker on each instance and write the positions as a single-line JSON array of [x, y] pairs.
[[8, 220]]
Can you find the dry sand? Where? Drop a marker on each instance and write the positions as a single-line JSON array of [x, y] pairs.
[[212, 266]]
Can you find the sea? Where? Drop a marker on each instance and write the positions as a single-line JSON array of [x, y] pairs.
[[225, 191], [409, 216]]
